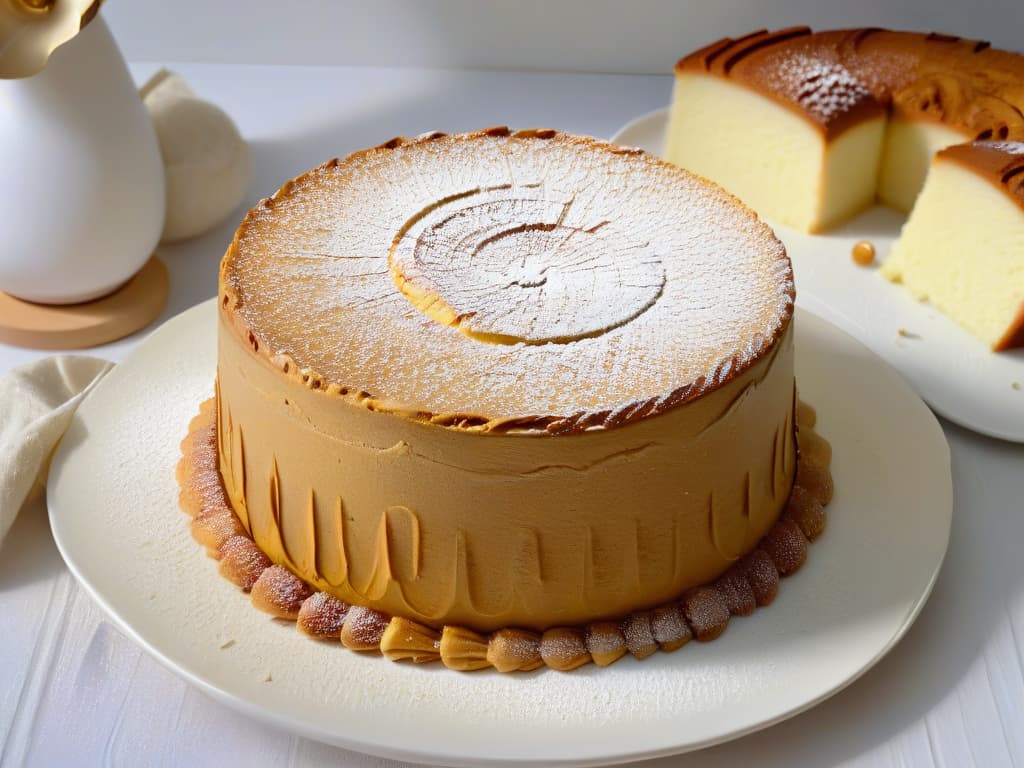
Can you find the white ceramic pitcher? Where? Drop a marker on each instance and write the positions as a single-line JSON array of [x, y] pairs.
[[82, 192]]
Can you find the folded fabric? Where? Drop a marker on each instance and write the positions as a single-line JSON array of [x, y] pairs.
[[37, 402], [206, 160]]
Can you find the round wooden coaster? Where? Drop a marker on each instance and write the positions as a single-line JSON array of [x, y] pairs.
[[75, 326]]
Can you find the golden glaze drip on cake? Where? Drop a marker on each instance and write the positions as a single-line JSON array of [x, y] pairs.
[[505, 379], [838, 78]]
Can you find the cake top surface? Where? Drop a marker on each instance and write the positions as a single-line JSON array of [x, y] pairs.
[[500, 281], [835, 78]]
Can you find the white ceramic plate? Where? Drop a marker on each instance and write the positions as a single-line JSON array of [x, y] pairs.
[[957, 374], [113, 508]]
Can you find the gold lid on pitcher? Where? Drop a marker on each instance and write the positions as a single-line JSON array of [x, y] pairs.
[[30, 30]]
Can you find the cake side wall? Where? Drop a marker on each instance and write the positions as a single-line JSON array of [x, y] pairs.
[[492, 530]]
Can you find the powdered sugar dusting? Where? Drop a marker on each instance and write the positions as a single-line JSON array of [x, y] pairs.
[[279, 591], [564, 648], [678, 281], [825, 89], [639, 635], [364, 627], [504, 267], [1007, 147]]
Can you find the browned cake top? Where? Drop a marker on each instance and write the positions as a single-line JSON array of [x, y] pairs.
[[489, 280], [836, 78]]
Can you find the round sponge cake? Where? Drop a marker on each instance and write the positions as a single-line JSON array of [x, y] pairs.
[[505, 379]]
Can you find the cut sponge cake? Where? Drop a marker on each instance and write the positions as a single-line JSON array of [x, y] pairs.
[[810, 128], [793, 171], [962, 248], [907, 154]]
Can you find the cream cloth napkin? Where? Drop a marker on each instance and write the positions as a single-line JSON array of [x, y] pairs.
[[37, 401]]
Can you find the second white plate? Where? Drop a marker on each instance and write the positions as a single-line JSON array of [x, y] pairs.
[[114, 514], [958, 376]]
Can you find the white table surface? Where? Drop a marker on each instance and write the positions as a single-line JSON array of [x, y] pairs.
[[73, 691]]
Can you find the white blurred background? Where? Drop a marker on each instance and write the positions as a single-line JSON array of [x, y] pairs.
[[626, 36]]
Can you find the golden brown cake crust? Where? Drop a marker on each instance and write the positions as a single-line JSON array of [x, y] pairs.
[[1001, 163], [838, 78], [565, 363], [1014, 336], [702, 613]]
